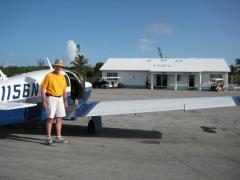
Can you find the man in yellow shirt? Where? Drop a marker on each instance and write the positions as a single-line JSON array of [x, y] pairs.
[[54, 98]]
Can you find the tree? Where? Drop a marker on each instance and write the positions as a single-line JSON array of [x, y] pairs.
[[97, 72], [80, 67], [79, 64], [40, 62], [98, 66], [15, 70], [237, 61], [235, 72], [89, 73]]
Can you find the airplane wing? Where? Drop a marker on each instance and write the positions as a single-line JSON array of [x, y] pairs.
[[103, 108], [15, 105]]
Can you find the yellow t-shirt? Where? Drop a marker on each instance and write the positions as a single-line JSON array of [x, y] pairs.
[[54, 84]]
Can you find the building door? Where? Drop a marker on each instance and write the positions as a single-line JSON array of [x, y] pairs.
[[191, 81], [161, 80], [164, 80]]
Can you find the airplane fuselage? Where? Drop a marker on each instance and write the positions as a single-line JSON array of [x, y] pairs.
[[26, 88], [19, 91]]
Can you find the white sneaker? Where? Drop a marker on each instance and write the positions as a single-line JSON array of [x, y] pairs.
[[60, 140], [50, 142]]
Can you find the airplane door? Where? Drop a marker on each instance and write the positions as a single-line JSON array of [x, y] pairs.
[[77, 86], [77, 92]]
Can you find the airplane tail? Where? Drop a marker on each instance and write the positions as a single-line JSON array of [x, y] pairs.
[[3, 77]]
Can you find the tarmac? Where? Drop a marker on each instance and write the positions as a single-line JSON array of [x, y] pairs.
[[197, 144]]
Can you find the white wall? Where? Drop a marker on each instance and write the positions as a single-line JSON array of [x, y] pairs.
[[131, 78], [138, 78]]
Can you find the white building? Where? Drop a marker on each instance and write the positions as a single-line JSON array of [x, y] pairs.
[[171, 73]]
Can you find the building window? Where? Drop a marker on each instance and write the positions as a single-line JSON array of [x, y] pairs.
[[133, 76], [112, 74], [216, 76], [178, 77]]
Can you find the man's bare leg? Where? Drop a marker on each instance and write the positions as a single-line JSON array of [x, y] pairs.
[[49, 127], [58, 126]]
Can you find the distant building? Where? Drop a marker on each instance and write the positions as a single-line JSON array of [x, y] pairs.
[[170, 73]]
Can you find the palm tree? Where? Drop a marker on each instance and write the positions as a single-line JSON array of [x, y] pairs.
[[40, 62], [97, 72], [79, 64]]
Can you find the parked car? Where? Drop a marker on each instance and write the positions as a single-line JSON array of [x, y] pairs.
[[101, 84]]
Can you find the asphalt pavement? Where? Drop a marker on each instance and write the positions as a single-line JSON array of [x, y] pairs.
[[198, 144]]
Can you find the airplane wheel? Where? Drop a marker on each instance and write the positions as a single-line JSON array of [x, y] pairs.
[[91, 127]]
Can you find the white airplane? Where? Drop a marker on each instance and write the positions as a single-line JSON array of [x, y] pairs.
[[20, 101]]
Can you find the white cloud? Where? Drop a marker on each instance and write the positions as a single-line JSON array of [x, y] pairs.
[[71, 50], [145, 45], [161, 28]]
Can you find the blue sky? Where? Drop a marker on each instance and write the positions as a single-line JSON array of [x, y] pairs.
[[33, 29]]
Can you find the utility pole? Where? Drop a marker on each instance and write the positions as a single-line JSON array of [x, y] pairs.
[[78, 50], [160, 53]]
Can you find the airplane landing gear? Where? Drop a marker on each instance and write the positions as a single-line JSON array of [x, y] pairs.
[[91, 127], [94, 124]]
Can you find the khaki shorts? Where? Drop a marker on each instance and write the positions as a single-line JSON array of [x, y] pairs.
[[55, 107]]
